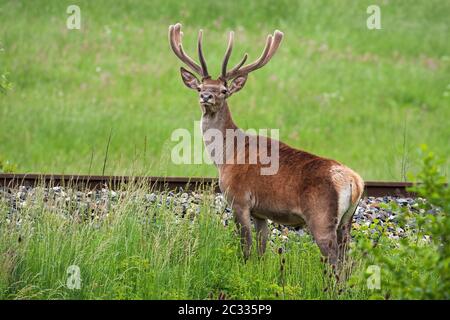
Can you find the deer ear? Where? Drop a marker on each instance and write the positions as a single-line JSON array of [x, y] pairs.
[[237, 84], [189, 79]]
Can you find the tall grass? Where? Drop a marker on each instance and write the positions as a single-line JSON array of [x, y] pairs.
[[127, 247], [133, 250]]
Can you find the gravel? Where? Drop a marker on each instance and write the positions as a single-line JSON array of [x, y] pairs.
[[98, 204]]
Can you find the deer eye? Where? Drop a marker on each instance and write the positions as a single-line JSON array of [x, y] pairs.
[[199, 89], [224, 91]]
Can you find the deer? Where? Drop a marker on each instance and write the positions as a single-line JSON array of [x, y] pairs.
[[306, 191]]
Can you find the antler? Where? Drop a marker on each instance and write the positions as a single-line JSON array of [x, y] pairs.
[[175, 42], [272, 44]]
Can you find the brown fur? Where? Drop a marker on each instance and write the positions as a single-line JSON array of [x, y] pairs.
[[303, 192]]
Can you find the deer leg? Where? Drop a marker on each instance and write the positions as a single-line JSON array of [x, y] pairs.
[[343, 238], [242, 218], [326, 238], [343, 232], [262, 232]]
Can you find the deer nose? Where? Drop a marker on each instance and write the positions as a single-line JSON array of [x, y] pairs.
[[205, 96]]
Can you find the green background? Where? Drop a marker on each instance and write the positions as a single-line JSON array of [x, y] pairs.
[[367, 98]]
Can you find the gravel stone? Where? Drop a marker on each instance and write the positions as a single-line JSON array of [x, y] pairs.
[[98, 203]]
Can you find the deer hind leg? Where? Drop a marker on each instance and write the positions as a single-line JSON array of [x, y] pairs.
[[343, 232], [343, 238], [262, 233], [242, 218], [324, 233]]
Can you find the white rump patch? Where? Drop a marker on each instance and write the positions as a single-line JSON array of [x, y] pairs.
[[344, 189], [345, 200]]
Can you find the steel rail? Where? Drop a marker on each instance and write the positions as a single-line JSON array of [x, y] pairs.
[[372, 188]]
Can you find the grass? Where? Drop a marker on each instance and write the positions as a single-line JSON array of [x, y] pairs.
[[130, 249], [367, 98], [141, 252], [133, 250]]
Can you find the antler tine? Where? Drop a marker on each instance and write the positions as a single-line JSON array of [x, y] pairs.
[[227, 54], [277, 37], [175, 39], [177, 47], [272, 44], [256, 64], [240, 64], [200, 55]]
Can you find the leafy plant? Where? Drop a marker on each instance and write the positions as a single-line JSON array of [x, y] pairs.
[[5, 84], [7, 167], [417, 266]]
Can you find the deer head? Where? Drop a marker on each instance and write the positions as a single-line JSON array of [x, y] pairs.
[[214, 92]]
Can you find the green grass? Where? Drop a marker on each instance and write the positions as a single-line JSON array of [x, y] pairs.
[[138, 252], [334, 88], [133, 250]]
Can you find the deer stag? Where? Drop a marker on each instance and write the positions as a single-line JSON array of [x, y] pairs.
[[306, 189]]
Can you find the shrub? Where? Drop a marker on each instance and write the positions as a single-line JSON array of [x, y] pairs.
[[418, 266]]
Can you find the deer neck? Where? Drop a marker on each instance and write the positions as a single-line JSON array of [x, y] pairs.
[[217, 124]]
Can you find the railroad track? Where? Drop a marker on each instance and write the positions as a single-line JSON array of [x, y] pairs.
[[372, 188]]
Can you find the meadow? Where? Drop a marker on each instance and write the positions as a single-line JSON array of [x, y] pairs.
[[105, 99], [62, 244], [367, 98], [137, 251]]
